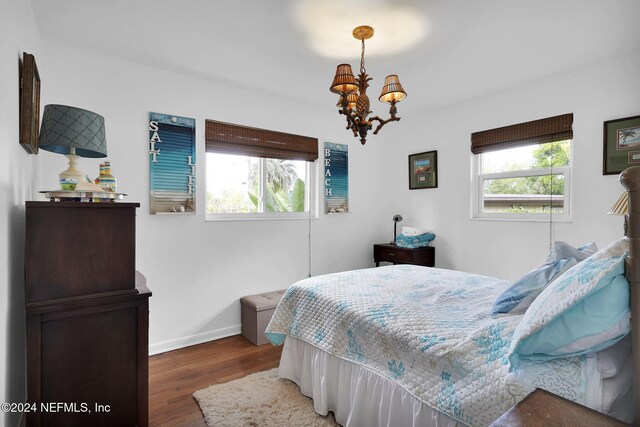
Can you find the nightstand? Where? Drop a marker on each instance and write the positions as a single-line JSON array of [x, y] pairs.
[[391, 253], [541, 409]]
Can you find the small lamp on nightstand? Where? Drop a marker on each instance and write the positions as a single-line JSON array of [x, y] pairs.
[[621, 207], [396, 220], [75, 133]]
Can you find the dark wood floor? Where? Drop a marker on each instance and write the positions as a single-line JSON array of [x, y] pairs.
[[175, 375]]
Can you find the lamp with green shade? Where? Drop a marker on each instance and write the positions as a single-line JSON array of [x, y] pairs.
[[74, 132]]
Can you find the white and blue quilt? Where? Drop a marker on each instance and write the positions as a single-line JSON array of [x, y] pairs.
[[429, 330]]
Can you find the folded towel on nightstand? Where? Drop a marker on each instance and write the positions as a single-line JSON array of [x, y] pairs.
[[413, 231], [418, 241]]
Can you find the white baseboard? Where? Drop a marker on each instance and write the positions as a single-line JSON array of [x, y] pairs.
[[177, 343]]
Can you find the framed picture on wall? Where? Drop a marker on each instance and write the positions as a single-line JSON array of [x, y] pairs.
[[621, 144], [29, 103], [423, 170]]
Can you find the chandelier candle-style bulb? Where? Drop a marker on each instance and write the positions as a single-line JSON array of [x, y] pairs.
[[354, 102]]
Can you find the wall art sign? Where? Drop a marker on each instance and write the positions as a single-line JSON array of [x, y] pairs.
[[423, 170], [621, 142], [172, 164], [336, 178]]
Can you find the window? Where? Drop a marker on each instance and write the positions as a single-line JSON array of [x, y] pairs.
[[523, 171], [253, 173], [250, 185]]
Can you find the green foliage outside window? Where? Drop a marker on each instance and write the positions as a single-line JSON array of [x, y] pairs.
[[555, 154], [285, 191]]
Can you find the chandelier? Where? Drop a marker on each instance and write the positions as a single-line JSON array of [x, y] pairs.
[[354, 102]]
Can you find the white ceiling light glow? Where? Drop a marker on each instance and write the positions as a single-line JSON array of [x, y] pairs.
[[398, 28]]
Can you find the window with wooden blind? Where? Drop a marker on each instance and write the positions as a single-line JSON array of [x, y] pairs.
[[523, 171], [256, 173]]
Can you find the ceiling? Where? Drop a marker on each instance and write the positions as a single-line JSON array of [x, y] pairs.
[[461, 49]]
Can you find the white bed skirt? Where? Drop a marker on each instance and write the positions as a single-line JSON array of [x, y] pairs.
[[357, 396], [360, 397]]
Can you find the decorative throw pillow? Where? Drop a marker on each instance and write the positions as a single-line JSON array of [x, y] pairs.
[[517, 298], [585, 309], [563, 250]]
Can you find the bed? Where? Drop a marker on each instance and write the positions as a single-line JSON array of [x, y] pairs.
[[417, 346]]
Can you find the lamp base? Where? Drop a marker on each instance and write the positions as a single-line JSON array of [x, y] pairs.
[[72, 175]]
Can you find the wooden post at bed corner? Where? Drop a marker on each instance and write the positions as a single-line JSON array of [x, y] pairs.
[[630, 179]]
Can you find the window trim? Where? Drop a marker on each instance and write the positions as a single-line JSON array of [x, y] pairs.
[[311, 200], [477, 191]]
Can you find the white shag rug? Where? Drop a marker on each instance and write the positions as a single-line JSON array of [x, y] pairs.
[[263, 400]]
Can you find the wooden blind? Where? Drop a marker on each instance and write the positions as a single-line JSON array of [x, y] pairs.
[[551, 129], [228, 138]]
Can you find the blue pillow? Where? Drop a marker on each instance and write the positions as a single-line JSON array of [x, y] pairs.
[[517, 298], [563, 250], [584, 310]]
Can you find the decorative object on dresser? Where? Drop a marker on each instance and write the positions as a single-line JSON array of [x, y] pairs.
[[354, 103], [29, 103], [73, 132], [106, 181], [87, 314], [172, 164], [621, 144], [391, 253], [84, 192], [423, 170], [396, 220]]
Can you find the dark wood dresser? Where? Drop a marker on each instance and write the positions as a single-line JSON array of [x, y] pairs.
[[87, 315], [395, 254]]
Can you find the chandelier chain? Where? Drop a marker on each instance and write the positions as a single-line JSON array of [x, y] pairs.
[[362, 70]]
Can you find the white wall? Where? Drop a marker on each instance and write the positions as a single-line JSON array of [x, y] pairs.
[[508, 249], [198, 270], [18, 175]]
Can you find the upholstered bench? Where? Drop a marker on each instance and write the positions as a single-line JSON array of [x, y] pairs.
[[256, 312]]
